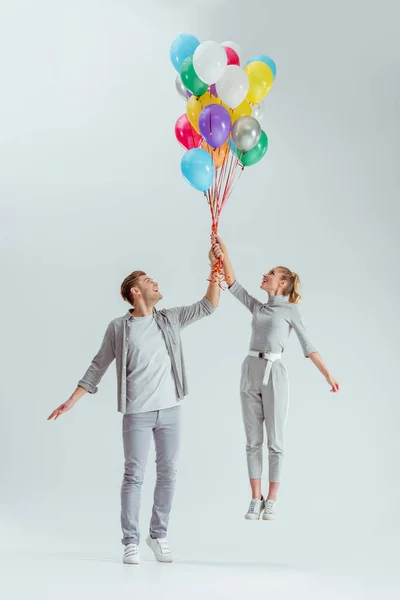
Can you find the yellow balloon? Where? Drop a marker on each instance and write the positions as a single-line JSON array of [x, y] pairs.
[[243, 110], [195, 106], [260, 79]]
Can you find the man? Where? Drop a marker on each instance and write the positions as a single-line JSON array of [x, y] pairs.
[[151, 378]]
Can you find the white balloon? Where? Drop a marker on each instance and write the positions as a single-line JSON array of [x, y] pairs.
[[258, 111], [234, 47], [209, 62], [233, 86]]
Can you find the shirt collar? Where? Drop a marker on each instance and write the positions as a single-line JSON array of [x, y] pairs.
[[274, 300], [128, 315]]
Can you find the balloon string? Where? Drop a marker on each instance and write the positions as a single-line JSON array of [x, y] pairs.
[[217, 195]]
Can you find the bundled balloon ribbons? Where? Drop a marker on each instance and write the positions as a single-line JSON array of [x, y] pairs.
[[221, 128]]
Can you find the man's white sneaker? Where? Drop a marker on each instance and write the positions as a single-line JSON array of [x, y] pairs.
[[255, 509], [131, 554], [160, 548], [270, 510]]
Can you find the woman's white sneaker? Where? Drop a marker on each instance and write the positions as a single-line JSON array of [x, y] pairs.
[[160, 548], [255, 509], [269, 511], [131, 554]]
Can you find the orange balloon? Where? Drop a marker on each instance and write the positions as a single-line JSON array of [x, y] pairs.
[[219, 154]]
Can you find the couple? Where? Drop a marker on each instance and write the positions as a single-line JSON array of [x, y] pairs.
[[151, 376]]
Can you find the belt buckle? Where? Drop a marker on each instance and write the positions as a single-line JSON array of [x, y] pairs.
[[261, 355]]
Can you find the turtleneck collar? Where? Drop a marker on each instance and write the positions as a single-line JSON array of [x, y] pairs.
[[274, 300]]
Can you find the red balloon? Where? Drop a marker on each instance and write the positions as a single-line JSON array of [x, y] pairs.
[[186, 135], [232, 56]]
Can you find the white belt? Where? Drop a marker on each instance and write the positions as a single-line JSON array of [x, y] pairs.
[[270, 357]]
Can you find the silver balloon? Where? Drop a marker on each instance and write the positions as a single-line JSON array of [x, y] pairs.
[[246, 132], [180, 88], [258, 112]]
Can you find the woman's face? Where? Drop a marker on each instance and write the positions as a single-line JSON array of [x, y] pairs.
[[272, 282]]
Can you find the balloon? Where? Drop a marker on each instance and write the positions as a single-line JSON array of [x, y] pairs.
[[209, 61], [195, 106], [233, 86], [218, 154], [198, 168], [255, 154], [258, 111], [265, 59], [186, 135], [243, 110], [213, 90], [261, 80], [246, 133], [215, 125], [233, 58], [234, 47], [232, 148], [182, 47], [190, 79], [180, 88]]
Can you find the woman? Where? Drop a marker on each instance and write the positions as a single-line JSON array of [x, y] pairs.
[[264, 380]]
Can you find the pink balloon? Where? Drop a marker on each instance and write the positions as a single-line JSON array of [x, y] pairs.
[[186, 135], [233, 58]]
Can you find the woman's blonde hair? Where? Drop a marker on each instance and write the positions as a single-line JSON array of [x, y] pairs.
[[292, 288]]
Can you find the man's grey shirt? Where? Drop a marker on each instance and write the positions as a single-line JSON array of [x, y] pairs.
[[115, 346]]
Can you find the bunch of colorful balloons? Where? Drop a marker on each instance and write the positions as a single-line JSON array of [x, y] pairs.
[[221, 128]]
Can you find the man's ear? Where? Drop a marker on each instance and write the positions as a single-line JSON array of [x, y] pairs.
[[135, 292]]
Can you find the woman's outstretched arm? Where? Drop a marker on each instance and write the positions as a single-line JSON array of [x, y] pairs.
[[220, 251], [316, 358]]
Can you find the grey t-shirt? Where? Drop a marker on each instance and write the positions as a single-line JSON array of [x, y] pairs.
[[150, 383], [272, 322]]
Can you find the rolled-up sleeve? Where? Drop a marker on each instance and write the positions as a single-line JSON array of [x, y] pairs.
[[186, 315], [244, 297], [301, 332], [100, 362]]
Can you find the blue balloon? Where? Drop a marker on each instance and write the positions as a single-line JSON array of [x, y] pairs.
[[265, 59], [234, 150], [182, 47], [197, 167]]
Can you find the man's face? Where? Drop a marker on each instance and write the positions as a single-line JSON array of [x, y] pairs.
[[147, 289]]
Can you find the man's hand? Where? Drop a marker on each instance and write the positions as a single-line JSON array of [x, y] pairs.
[[63, 408]]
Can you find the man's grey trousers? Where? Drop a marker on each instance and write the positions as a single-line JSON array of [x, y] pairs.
[[137, 430], [264, 403]]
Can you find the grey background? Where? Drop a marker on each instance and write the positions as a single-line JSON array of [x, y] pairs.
[[91, 189]]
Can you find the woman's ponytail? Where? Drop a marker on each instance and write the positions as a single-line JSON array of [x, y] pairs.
[[292, 288]]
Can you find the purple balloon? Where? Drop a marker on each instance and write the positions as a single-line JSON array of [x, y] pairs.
[[213, 90], [189, 94], [215, 125]]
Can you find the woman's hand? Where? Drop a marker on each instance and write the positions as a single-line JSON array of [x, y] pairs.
[[333, 383], [211, 255], [217, 252], [216, 239]]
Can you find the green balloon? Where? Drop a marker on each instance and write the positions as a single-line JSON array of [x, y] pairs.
[[190, 79], [255, 154]]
